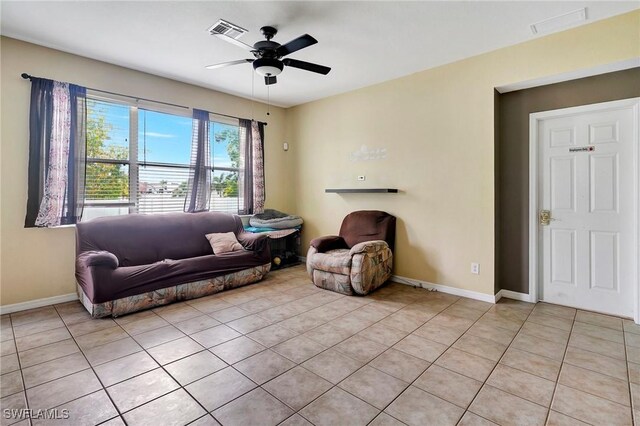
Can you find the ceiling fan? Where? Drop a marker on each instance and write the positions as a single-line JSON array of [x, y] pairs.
[[267, 54]]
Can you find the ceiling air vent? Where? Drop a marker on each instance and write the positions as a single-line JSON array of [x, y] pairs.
[[559, 22], [227, 28]]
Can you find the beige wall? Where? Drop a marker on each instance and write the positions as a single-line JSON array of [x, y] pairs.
[[438, 129], [38, 263]]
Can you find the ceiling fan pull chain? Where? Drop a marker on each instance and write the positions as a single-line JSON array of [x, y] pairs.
[[268, 101]]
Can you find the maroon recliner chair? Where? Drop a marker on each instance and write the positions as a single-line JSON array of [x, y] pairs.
[[359, 259]]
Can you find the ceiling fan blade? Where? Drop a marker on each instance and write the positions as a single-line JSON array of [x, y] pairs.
[[234, 41], [270, 79], [307, 66], [295, 45], [228, 64]]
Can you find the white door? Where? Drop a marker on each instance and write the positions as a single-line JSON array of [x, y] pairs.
[[587, 160]]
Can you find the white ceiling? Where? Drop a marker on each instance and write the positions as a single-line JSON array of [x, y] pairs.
[[365, 42]]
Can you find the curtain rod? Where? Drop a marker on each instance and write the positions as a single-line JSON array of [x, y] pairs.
[[29, 77]]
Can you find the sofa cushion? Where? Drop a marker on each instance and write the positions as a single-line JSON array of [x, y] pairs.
[[224, 242], [337, 261]]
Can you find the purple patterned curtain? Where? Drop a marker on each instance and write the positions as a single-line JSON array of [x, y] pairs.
[[251, 182], [199, 186], [57, 143]]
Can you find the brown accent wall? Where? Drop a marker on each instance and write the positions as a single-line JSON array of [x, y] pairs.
[[512, 160]]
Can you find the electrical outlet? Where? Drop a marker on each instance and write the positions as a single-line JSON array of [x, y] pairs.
[[475, 268], [362, 177]]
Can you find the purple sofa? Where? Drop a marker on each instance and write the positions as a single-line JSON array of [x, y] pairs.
[[133, 262]]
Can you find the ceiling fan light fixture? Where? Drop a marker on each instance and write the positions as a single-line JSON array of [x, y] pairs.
[[268, 67]]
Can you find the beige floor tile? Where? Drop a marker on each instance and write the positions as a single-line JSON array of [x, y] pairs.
[[631, 339], [360, 349], [296, 420], [332, 365], [420, 348], [630, 327], [176, 408], [328, 335], [438, 333], [373, 386], [256, 407], [249, 323], [125, 368], [403, 321], [302, 323], [228, 383], [206, 420], [538, 346], [555, 310], [8, 347], [33, 315], [229, 314], [264, 366], [141, 389], [596, 362], [102, 337], [136, 316], [551, 321], [480, 346], [351, 323], [91, 326], [635, 396], [504, 408], [464, 312], [599, 319], [177, 312], [257, 305], [417, 407], [17, 401], [525, 385], [110, 351], [383, 419], [91, 409], [11, 383], [371, 313], [589, 408], [545, 332], [47, 353], [466, 364], [156, 337], [9, 363], [209, 304], [174, 350], [540, 366], [297, 387], [337, 407], [195, 324], [448, 385], [493, 320], [634, 372], [194, 367], [559, 419], [633, 354], [143, 324], [41, 339], [215, 335], [54, 369], [400, 365], [474, 304], [607, 387], [451, 321], [237, 349], [383, 334], [599, 346], [37, 327], [65, 389], [496, 335], [598, 332], [298, 349], [272, 335], [470, 419]]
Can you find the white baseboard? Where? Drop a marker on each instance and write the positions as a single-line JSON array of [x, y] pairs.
[[445, 289], [508, 294], [38, 303]]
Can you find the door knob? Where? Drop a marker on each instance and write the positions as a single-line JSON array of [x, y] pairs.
[[545, 217]]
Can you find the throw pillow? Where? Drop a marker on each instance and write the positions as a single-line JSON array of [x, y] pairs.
[[224, 242]]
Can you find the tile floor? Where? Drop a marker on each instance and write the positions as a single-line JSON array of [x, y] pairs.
[[284, 352]]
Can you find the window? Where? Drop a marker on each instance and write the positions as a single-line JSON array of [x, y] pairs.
[[138, 161]]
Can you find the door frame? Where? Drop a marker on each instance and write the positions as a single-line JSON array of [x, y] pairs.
[[534, 186]]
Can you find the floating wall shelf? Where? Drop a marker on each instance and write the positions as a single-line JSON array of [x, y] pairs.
[[362, 190]]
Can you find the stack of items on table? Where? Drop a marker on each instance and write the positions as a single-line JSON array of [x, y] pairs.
[[283, 231]]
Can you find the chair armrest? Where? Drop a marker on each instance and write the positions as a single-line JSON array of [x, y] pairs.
[[369, 247], [98, 258], [252, 241], [330, 242]]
